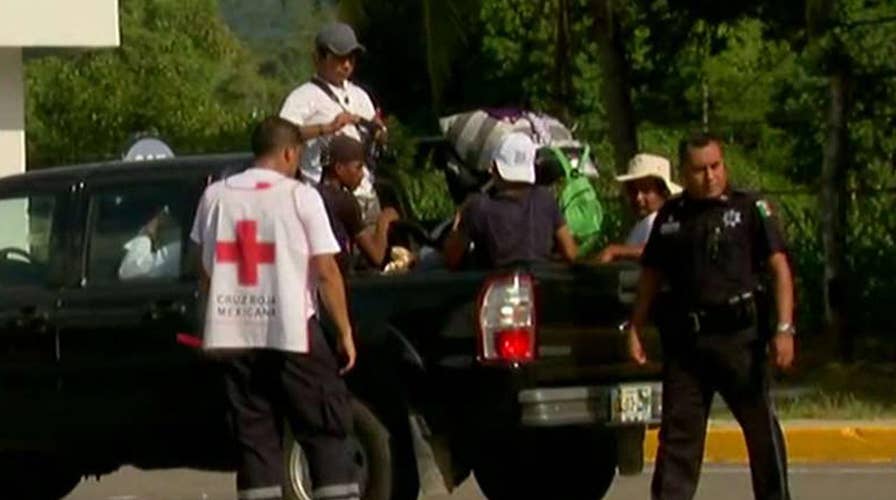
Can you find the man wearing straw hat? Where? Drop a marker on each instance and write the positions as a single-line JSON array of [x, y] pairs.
[[648, 184]]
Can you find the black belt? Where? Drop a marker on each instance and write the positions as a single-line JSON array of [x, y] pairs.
[[738, 313]]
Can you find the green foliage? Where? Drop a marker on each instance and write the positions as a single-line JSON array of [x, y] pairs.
[[421, 183], [200, 72], [280, 34], [179, 72], [520, 50]]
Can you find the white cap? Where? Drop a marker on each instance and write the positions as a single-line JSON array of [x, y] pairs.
[[514, 157], [648, 165]]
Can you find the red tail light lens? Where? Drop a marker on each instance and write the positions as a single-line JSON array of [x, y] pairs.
[[514, 345], [506, 320]]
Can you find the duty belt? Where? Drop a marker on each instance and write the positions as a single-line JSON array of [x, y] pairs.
[[738, 313]]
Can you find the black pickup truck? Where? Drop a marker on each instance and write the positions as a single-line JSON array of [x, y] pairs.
[[518, 376]]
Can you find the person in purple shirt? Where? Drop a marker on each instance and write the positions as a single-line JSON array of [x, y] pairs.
[[518, 222]]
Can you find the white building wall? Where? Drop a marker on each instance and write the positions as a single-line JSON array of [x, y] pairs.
[[59, 23], [42, 23], [12, 112]]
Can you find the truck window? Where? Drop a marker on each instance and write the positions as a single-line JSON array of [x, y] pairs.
[[138, 232], [27, 224]]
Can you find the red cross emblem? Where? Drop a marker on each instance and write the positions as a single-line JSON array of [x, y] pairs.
[[246, 252]]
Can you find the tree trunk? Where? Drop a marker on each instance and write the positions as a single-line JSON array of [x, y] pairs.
[[820, 17], [833, 203], [562, 64], [616, 88]]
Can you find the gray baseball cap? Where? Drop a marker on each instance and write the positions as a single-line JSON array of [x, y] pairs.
[[338, 38]]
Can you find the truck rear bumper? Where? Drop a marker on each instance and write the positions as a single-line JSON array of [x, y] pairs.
[[634, 403]]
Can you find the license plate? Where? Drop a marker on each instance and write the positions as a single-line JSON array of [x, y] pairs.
[[635, 403]]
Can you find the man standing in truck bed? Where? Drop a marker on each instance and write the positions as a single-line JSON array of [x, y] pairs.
[[267, 250]]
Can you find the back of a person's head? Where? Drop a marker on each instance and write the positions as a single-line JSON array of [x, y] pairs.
[[274, 134]]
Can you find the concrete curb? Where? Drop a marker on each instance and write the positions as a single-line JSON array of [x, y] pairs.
[[807, 442]]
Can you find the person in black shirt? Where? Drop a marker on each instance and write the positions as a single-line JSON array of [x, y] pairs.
[[342, 174], [519, 222], [711, 246]]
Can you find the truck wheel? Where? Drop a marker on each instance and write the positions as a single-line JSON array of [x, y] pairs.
[[369, 443], [36, 476], [557, 466], [630, 450]]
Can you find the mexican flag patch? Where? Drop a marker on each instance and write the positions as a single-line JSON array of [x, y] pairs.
[[765, 208]]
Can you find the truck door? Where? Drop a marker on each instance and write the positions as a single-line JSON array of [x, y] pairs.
[[33, 226], [125, 375]]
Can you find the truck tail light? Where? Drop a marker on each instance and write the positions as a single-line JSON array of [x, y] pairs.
[[507, 330]]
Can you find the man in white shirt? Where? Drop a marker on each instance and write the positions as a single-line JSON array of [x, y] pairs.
[[648, 184], [141, 261], [267, 252], [330, 103]]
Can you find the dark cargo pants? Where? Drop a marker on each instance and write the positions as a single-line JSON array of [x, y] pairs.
[[735, 366], [266, 388]]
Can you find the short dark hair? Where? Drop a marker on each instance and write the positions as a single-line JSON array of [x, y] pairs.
[[695, 140], [273, 134], [344, 149], [659, 183]]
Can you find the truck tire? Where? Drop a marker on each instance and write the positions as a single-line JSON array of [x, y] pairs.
[[630, 450], [562, 463], [370, 444], [37, 477]]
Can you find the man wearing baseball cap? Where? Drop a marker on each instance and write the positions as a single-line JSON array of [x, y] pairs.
[[517, 221], [330, 103], [648, 184]]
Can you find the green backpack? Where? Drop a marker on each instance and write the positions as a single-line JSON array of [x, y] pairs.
[[579, 203]]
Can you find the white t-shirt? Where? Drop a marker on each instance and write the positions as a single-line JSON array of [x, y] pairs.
[[258, 231], [308, 104], [141, 262], [641, 232]]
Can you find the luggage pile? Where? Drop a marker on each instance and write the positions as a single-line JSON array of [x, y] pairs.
[[562, 162]]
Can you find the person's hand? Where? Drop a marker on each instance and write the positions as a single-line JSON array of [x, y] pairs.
[[607, 255], [382, 132], [635, 348], [347, 352], [782, 350], [389, 215], [341, 120]]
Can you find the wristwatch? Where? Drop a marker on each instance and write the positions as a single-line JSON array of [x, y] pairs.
[[787, 328]]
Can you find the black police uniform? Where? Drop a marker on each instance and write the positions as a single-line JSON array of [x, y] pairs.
[[711, 254]]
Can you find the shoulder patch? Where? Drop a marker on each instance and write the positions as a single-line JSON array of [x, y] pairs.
[[765, 208]]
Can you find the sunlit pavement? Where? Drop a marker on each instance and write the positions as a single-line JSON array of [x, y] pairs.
[[826, 482]]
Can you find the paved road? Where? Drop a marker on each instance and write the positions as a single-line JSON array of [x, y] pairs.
[[828, 482]]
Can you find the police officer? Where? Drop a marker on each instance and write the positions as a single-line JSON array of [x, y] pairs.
[[710, 246], [267, 251]]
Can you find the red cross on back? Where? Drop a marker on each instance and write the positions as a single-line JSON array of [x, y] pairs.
[[246, 252]]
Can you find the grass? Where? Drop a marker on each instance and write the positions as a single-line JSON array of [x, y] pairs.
[[834, 391], [835, 406]]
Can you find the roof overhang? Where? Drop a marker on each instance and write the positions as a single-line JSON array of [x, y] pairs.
[[59, 23]]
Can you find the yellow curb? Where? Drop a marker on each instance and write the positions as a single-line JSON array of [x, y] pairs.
[[841, 443]]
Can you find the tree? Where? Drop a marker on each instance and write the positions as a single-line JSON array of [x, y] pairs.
[[616, 88], [179, 72]]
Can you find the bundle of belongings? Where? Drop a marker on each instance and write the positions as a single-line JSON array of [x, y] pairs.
[[562, 161]]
